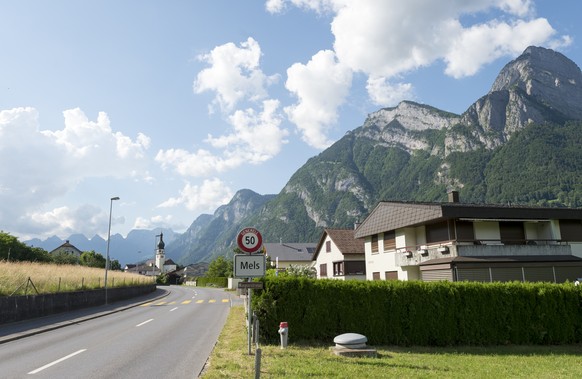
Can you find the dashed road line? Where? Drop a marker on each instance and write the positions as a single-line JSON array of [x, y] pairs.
[[145, 322], [56, 362]]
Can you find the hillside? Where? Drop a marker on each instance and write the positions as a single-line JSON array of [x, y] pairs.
[[519, 143]]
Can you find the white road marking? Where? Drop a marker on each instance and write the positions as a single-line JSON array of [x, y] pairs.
[[55, 362], [173, 309], [145, 322]]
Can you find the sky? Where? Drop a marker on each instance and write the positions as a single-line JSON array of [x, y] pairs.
[[173, 106]]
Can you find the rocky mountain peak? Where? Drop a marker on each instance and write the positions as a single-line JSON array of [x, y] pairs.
[[548, 77]]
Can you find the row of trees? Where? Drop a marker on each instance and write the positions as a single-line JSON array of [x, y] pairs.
[[11, 249]]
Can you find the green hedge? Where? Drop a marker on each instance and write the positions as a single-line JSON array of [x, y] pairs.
[[421, 313], [212, 282]]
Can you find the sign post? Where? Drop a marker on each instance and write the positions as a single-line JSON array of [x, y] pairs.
[[249, 266]]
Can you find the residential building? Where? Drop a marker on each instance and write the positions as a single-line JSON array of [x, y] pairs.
[[283, 255], [67, 248], [456, 241], [339, 255]]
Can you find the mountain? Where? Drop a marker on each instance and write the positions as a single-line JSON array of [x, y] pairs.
[[519, 143], [139, 245], [210, 235]]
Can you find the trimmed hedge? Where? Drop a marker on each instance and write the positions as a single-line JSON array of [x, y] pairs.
[[213, 282], [421, 313]]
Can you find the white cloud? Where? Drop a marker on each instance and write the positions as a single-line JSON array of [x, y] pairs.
[[384, 93], [385, 39], [484, 43], [321, 86], [255, 138], [157, 221], [234, 74], [64, 221], [46, 165], [201, 198]]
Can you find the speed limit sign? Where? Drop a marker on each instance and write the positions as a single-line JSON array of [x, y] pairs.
[[249, 240]]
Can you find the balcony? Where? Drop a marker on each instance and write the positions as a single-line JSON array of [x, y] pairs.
[[414, 255]]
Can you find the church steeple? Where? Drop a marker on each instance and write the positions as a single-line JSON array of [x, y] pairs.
[[161, 244], [160, 256]]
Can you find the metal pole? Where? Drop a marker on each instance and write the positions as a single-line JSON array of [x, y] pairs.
[[108, 240], [250, 316]]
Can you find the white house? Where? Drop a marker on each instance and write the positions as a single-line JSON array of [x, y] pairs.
[[339, 255], [455, 241]]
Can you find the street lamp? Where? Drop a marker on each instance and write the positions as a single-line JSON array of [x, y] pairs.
[[108, 240]]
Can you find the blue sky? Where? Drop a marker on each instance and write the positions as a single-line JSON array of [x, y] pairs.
[[175, 105]]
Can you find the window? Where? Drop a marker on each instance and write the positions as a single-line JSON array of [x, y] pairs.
[[338, 268], [376, 276], [437, 232], [512, 233], [375, 244], [355, 267], [323, 270], [391, 275], [571, 230], [389, 240], [327, 246], [465, 231]]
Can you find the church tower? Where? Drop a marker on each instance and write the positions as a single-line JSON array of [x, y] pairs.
[[160, 255]]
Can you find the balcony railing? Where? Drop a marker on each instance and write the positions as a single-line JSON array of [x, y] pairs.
[[416, 254]]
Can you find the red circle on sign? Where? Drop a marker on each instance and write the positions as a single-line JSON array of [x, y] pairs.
[[249, 240]]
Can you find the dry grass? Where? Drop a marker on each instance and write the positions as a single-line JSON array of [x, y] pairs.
[[51, 278]]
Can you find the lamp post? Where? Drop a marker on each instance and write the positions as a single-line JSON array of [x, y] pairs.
[[108, 240]]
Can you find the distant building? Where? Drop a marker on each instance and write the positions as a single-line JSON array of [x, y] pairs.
[[283, 255], [67, 248]]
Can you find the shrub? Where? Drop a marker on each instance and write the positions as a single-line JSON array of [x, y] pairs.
[[421, 313]]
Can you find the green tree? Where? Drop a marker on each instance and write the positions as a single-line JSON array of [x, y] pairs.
[[92, 259], [64, 258], [220, 267], [114, 265], [14, 250]]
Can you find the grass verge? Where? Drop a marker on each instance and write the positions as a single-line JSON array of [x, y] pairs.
[[307, 360]]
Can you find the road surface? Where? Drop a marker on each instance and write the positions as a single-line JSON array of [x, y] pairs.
[[170, 337]]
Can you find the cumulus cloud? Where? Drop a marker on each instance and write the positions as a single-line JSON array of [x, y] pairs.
[[201, 198], [255, 137], [321, 86], [157, 221], [41, 166], [386, 39], [234, 74]]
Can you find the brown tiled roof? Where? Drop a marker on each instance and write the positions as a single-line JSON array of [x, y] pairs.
[[345, 241], [393, 215]]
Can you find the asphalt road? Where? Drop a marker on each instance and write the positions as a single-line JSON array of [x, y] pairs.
[[170, 336]]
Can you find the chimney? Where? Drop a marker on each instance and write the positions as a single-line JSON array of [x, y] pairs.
[[453, 196]]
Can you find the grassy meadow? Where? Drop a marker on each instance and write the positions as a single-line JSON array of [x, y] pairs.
[[230, 359], [52, 278]]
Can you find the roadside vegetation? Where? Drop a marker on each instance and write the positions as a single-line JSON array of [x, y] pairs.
[[26, 270], [230, 359], [31, 278]]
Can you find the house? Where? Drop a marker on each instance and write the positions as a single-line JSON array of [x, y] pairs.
[[67, 248], [339, 255], [283, 255], [455, 242]]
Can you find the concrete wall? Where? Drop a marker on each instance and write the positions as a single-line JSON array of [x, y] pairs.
[[18, 308]]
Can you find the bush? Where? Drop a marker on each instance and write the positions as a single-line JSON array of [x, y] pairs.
[[421, 313], [212, 282]]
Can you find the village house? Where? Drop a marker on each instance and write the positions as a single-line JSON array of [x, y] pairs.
[[67, 248], [282, 255], [455, 241], [339, 255]]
